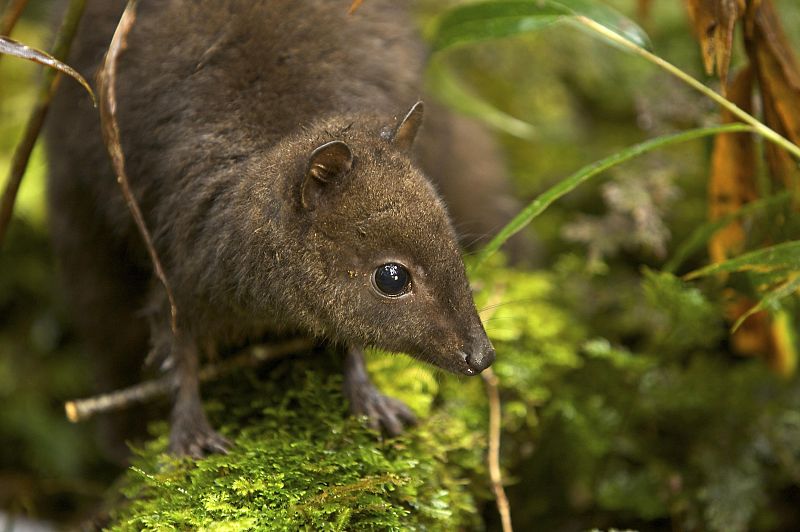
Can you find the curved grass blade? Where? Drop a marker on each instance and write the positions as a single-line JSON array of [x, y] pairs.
[[761, 129], [442, 82], [702, 234], [538, 205], [47, 86], [611, 19], [107, 79], [17, 49], [783, 256], [481, 21], [494, 20]]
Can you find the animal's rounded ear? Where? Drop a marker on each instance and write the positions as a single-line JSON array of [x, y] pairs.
[[327, 164], [406, 131]]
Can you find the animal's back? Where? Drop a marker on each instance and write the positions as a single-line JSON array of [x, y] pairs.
[[216, 79]]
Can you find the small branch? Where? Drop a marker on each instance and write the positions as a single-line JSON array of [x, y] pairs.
[[745, 117], [495, 421], [83, 409], [47, 88], [108, 119], [11, 15], [495, 473]]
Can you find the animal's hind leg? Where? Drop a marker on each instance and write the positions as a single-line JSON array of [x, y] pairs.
[[190, 433]]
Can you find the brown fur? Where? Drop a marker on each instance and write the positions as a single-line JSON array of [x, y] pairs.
[[221, 105]]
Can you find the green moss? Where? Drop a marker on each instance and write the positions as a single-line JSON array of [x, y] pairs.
[[300, 462]]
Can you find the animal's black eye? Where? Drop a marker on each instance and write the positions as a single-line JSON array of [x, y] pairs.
[[392, 279]]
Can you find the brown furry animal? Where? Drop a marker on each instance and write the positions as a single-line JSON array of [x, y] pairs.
[[281, 195]]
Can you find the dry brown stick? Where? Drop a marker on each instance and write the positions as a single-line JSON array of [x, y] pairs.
[[108, 120], [83, 409], [495, 473], [11, 15], [22, 153], [495, 421]]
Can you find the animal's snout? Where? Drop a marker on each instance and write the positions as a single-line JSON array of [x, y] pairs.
[[480, 358]]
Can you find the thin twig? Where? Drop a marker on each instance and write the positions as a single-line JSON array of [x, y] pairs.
[[495, 420], [11, 15], [495, 473], [47, 88], [108, 120], [83, 409]]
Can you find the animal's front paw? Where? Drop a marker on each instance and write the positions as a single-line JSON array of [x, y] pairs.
[[196, 438], [384, 413]]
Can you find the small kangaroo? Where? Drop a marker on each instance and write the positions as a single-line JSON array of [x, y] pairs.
[[282, 194]]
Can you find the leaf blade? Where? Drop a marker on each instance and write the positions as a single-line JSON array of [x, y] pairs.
[[494, 20], [783, 256], [771, 298], [703, 233], [14, 48], [441, 81], [544, 200]]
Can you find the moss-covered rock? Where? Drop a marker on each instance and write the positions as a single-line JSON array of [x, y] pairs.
[[300, 462]]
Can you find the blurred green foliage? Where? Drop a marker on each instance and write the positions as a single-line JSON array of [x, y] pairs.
[[622, 403], [48, 467]]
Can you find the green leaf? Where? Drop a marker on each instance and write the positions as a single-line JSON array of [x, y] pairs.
[[451, 91], [538, 205], [483, 21], [17, 49], [493, 20], [702, 234], [783, 256]]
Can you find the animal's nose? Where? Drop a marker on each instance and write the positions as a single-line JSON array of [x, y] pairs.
[[481, 358]]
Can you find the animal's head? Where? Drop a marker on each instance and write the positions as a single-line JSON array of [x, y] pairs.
[[389, 268]]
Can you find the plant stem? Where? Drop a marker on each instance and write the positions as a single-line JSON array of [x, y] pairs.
[[11, 15], [495, 419], [22, 153], [107, 79], [495, 424], [745, 117]]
